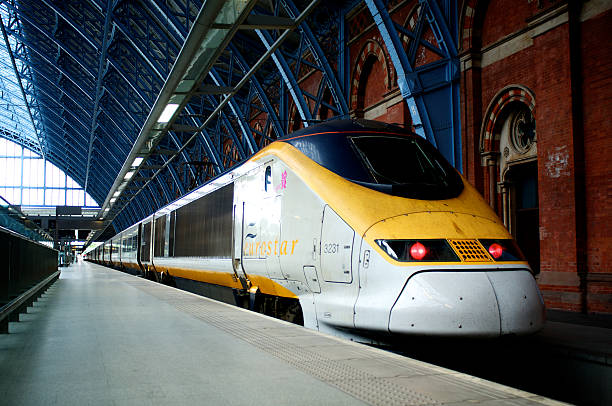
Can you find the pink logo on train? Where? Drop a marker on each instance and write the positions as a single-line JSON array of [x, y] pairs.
[[283, 182]]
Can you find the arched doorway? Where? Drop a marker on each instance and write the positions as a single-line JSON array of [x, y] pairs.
[[519, 180], [509, 150]]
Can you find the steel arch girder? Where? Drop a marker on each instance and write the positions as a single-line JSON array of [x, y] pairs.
[[18, 140], [260, 91], [333, 83], [102, 70], [288, 78], [60, 44], [61, 70], [445, 137], [244, 125], [109, 58], [205, 137], [408, 82], [69, 111], [75, 102]]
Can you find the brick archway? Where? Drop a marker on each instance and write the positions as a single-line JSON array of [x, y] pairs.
[[489, 140], [371, 48]]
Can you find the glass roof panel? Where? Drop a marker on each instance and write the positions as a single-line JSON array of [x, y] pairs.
[[15, 121]]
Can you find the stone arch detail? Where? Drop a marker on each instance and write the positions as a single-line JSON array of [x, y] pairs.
[[467, 21], [509, 94], [370, 48]]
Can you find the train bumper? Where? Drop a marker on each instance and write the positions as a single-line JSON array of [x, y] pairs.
[[485, 304]]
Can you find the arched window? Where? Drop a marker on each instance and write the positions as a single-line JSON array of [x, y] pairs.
[[370, 81], [27, 179], [368, 93]]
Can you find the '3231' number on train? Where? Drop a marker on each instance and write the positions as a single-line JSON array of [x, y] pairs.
[[331, 248]]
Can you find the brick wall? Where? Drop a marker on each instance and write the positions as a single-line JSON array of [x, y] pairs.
[[597, 101], [532, 47], [504, 17]]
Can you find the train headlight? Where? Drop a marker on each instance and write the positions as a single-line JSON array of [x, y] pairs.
[[503, 250], [418, 250]]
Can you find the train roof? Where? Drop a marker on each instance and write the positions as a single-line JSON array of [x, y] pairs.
[[347, 125]]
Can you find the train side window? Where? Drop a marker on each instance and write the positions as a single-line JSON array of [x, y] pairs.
[[268, 179]]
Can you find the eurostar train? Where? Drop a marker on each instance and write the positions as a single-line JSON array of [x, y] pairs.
[[351, 227]]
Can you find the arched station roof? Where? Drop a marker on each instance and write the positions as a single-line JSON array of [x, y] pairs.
[[140, 101]]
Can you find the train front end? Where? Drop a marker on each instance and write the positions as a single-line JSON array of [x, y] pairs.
[[473, 284], [433, 258], [460, 272]]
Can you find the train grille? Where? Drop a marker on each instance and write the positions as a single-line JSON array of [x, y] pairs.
[[470, 250]]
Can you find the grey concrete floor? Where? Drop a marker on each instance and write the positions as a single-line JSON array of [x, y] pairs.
[[93, 340], [102, 337]]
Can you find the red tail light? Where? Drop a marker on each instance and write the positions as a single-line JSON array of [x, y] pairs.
[[496, 250], [418, 251]]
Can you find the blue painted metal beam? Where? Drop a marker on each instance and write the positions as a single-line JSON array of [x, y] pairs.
[[106, 42], [41, 54], [330, 76], [425, 89], [408, 82], [107, 38], [288, 78], [244, 125]]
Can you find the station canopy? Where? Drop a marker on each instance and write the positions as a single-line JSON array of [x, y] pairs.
[[142, 101]]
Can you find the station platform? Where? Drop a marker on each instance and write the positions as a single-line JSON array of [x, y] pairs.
[[100, 336]]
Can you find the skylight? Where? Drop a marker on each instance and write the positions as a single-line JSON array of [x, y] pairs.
[[15, 121]]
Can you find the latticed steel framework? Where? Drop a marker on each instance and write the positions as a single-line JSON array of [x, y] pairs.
[[98, 74]]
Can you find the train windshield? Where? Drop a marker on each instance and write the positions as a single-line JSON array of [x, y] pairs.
[[412, 168], [399, 165]]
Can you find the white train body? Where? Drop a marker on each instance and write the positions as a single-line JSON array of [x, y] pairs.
[[301, 232]]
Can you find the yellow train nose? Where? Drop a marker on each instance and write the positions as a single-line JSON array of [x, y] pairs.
[[437, 224]]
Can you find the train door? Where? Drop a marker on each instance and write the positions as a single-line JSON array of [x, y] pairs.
[[261, 219], [159, 236], [238, 244], [248, 192], [336, 248], [145, 243], [260, 236], [338, 290], [270, 234], [120, 249], [138, 246]]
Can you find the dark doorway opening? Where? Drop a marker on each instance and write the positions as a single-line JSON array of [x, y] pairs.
[[525, 216]]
